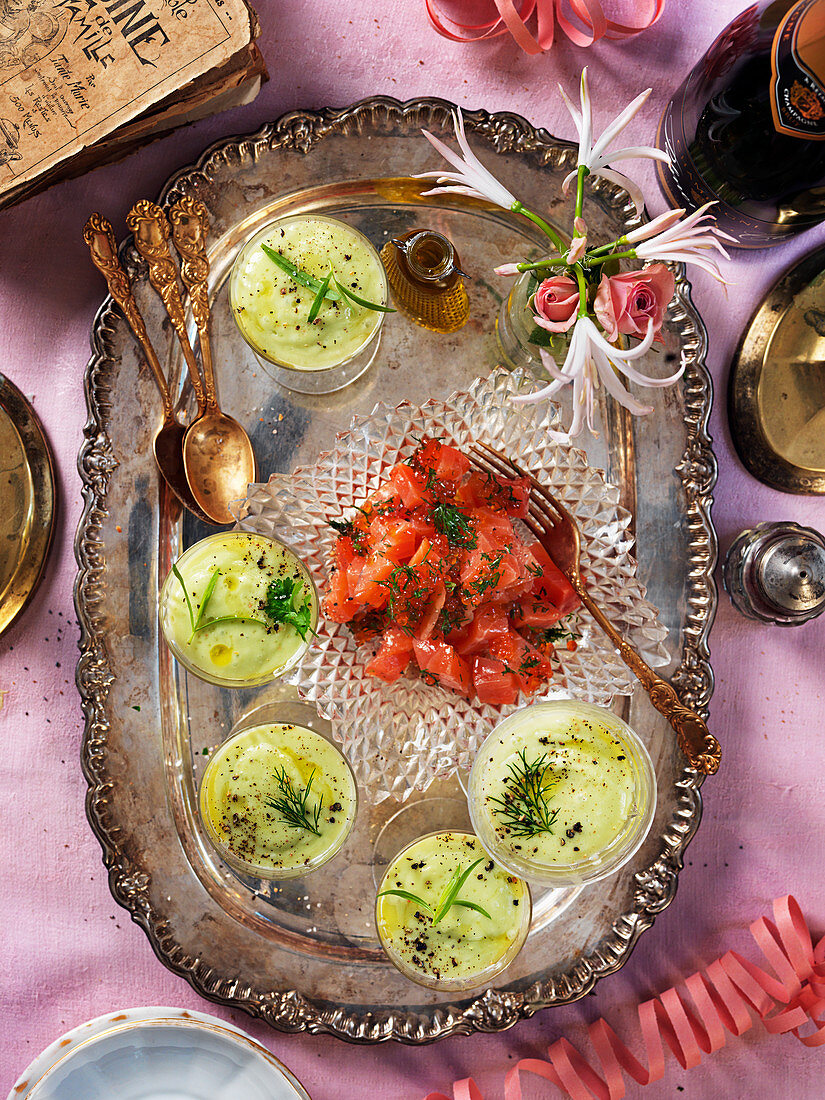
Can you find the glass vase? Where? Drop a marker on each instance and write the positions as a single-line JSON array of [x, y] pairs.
[[516, 324]]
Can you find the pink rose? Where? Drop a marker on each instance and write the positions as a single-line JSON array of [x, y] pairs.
[[627, 303], [556, 303]]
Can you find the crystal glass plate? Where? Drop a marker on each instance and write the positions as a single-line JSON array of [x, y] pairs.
[[304, 955], [400, 737]]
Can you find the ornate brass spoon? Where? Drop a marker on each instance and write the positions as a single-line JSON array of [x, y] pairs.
[[151, 229], [217, 453], [168, 443]]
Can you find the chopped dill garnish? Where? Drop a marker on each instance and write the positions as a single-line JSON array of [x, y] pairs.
[[480, 586], [523, 807], [454, 525], [293, 802], [559, 633], [342, 526], [347, 528]]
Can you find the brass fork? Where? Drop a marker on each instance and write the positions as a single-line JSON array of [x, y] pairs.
[[558, 533]]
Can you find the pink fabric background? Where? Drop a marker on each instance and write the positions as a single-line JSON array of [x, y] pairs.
[[67, 951]]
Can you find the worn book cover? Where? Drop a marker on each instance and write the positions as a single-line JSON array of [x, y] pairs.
[[73, 72]]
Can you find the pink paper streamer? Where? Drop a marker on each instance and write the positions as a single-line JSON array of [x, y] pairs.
[[724, 997], [590, 24]]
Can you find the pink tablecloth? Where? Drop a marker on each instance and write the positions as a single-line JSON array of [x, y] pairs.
[[67, 952]]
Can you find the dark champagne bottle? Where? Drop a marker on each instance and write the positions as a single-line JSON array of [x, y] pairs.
[[747, 126]]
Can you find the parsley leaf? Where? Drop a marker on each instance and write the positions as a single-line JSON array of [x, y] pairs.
[[287, 601]]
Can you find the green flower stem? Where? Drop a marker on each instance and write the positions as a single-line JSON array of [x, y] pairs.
[[583, 310], [541, 223], [606, 247], [582, 173], [560, 262], [629, 254]]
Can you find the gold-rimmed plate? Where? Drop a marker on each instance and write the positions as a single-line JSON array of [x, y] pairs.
[[27, 502], [159, 1052]]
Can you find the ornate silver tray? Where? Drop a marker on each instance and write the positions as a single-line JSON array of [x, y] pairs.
[[304, 957]]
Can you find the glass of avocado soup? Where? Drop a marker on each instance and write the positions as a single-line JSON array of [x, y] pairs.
[[238, 609], [309, 345], [278, 800], [562, 793], [448, 917]]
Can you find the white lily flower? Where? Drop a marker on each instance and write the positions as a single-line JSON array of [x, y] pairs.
[[595, 156], [471, 177], [507, 269], [690, 240], [592, 361], [657, 225]]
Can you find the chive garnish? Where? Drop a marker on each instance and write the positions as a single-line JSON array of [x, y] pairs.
[[297, 275], [207, 596], [322, 287], [353, 297], [176, 571], [448, 897], [282, 604], [319, 297]]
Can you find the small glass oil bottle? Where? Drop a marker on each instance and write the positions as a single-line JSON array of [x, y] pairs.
[[425, 277]]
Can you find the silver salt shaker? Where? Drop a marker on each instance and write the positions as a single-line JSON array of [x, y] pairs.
[[776, 572]]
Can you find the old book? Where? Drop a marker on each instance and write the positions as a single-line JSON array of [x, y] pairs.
[[83, 82]]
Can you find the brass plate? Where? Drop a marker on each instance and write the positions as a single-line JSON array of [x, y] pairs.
[[776, 395], [27, 502]]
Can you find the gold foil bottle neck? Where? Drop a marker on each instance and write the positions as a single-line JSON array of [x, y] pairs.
[[425, 277]]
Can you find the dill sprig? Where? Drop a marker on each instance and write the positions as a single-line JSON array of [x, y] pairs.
[[560, 633], [523, 808], [454, 525], [488, 579], [342, 526], [449, 896], [293, 802]]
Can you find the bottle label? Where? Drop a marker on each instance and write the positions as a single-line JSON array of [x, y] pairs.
[[798, 72]]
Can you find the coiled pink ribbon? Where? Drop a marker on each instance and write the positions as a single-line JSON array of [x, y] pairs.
[[723, 995], [592, 23]]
